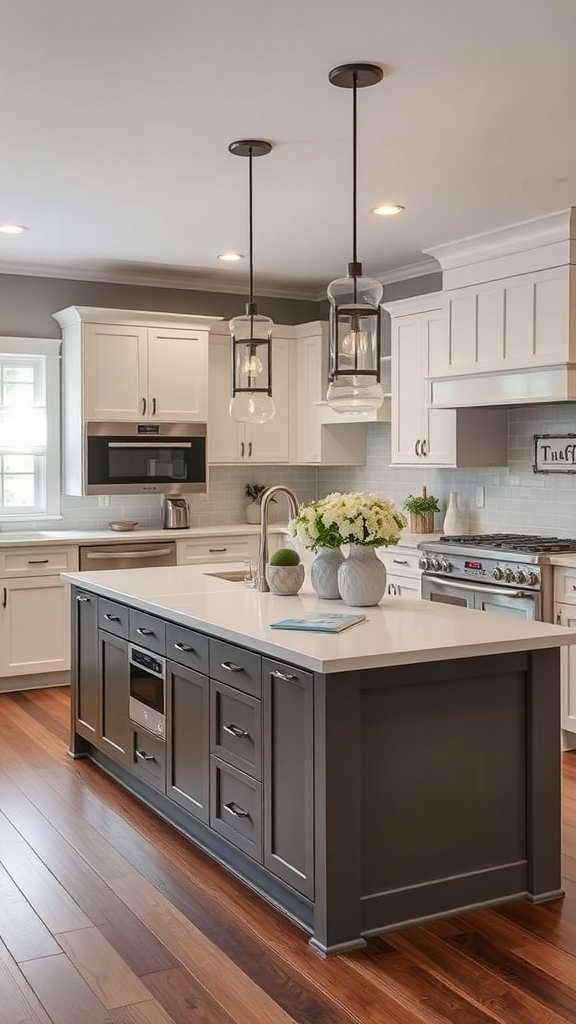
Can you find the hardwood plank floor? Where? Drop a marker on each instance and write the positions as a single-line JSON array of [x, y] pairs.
[[109, 916]]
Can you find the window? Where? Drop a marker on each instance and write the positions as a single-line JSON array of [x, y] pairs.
[[29, 428]]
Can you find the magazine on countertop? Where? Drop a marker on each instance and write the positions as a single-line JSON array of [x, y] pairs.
[[320, 623]]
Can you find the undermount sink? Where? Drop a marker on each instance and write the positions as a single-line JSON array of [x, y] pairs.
[[232, 575]]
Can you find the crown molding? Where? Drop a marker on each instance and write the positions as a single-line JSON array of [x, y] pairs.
[[159, 277], [420, 269], [520, 237]]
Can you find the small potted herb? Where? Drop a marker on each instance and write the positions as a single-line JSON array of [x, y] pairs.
[[253, 510], [422, 508]]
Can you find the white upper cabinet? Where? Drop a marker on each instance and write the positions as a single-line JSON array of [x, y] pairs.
[[124, 365], [421, 434], [230, 442]]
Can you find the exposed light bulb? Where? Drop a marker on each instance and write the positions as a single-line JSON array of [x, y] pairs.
[[355, 343], [251, 365]]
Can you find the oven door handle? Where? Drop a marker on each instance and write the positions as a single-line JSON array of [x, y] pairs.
[[481, 588]]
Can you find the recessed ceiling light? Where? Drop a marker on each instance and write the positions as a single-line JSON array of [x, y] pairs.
[[12, 229], [230, 257], [387, 209]]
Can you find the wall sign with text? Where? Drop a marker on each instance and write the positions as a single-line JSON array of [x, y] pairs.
[[554, 453]]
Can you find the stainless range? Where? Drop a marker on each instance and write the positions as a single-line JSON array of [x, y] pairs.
[[505, 573]]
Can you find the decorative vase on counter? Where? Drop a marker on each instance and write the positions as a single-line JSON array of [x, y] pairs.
[[324, 573], [285, 580], [253, 512], [362, 577], [453, 524]]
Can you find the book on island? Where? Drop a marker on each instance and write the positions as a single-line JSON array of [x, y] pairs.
[[320, 623]]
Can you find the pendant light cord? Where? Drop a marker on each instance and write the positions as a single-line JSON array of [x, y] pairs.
[[251, 230], [354, 167]]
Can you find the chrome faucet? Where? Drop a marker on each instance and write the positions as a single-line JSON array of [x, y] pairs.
[[260, 582]]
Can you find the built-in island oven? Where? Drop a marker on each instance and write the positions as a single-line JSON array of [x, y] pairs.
[[507, 574], [147, 705]]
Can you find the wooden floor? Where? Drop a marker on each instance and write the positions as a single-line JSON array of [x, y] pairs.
[[109, 916]]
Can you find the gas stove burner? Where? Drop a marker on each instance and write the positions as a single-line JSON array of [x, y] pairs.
[[512, 542]]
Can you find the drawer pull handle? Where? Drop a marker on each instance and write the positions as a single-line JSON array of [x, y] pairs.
[[284, 675], [143, 406], [574, 586], [153, 406], [184, 647], [559, 619], [111, 618], [4, 596], [235, 730], [231, 667], [82, 597], [424, 448], [38, 561], [144, 756], [214, 551], [417, 448], [400, 561], [236, 810], [145, 632]]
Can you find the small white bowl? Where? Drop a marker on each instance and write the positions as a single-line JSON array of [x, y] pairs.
[[123, 527]]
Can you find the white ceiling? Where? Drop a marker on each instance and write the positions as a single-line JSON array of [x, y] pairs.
[[116, 115]]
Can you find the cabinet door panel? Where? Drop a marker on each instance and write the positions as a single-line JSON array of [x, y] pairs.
[[114, 732], [178, 376], [115, 372], [289, 775], [34, 626], [269, 442], [85, 685], [188, 766], [225, 436], [408, 390]]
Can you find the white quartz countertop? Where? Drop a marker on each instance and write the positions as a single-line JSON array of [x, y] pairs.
[[10, 537], [396, 632]]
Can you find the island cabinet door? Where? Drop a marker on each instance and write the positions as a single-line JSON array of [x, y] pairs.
[[188, 739], [288, 781], [114, 691], [84, 667]]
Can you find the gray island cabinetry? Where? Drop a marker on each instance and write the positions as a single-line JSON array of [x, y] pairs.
[[406, 769]]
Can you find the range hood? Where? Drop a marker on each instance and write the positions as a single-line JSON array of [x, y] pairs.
[[509, 298]]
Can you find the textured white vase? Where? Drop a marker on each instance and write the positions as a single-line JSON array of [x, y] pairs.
[[362, 577], [453, 524], [324, 573], [285, 580]]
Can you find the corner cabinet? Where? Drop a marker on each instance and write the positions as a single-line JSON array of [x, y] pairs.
[[125, 365], [423, 435], [230, 442]]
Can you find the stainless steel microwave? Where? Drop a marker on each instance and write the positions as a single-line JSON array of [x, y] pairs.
[[145, 458]]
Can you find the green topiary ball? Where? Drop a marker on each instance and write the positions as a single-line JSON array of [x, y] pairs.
[[285, 556]]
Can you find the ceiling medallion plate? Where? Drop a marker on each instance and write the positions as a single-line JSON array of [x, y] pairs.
[[247, 147], [347, 75]]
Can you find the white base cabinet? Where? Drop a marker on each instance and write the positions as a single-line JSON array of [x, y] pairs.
[[35, 610], [423, 435], [403, 574]]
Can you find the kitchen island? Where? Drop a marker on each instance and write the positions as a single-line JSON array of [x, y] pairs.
[[404, 769]]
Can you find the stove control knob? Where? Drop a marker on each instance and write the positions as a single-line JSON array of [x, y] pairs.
[[508, 575], [520, 576], [445, 565], [497, 573], [423, 562], [436, 564], [533, 579]]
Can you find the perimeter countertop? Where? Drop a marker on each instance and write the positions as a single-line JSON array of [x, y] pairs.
[[8, 537], [396, 632]]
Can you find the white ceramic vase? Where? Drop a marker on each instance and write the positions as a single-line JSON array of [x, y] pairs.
[[453, 524], [285, 580], [253, 512], [324, 573], [362, 577]]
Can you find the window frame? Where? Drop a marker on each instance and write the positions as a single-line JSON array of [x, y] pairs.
[[50, 349]]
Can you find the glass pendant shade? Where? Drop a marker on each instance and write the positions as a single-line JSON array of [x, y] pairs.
[[251, 400], [355, 345]]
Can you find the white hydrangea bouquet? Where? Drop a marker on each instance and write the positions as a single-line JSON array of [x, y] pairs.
[[353, 518]]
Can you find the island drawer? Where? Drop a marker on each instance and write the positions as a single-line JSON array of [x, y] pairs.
[[236, 667], [147, 631], [236, 807], [187, 647], [148, 758], [113, 617], [236, 728]]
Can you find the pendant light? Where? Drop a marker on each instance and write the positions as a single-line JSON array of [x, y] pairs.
[[354, 331], [251, 334]]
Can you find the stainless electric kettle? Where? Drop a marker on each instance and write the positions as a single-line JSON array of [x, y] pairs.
[[175, 513]]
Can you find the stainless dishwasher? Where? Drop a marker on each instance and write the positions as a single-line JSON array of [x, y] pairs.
[[136, 555]]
